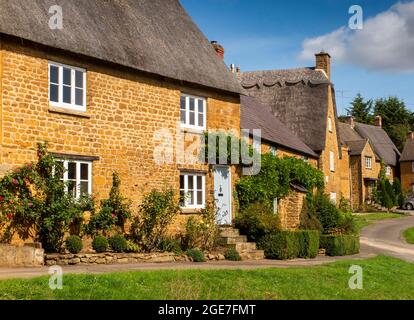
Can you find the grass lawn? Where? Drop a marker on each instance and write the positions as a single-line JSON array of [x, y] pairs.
[[364, 220], [409, 235], [384, 278]]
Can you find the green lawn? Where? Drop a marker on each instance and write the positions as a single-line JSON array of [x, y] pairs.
[[409, 235], [384, 278], [365, 220]]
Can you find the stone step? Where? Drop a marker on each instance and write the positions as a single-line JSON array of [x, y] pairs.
[[232, 240], [252, 255], [228, 232], [243, 247]]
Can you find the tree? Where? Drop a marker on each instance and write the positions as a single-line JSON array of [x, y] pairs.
[[397, 120], [361, 110]]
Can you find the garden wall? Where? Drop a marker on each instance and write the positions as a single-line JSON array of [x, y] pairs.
[[20, 256]]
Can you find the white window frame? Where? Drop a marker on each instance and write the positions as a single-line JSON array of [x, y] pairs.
[[388, 171], [368, 163], [196, 125], [275, 206], [332, 161], [194, 176], [78, 175], [330, 124], [60, 103], [334, 198]]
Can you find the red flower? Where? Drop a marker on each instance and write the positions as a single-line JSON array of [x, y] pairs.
[[113, 215], [15, 182], [9, 216], [30, 204], [1, 198]]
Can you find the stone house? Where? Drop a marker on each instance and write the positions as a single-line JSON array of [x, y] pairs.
[[370, 148], [304, 100], [276, 138], [118, 88], [407, 164]]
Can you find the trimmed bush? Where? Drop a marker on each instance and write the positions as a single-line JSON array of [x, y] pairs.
[[118, 243], [100, 244], [133, 247], [343, 245], [74, 244], [168, 244], [196, 255], [232, 255], [284, 245]]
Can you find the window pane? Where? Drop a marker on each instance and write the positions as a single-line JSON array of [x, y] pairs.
[[199, 198], [190, 198], [182, 116], [67, 94], [72, 170], [182, 198], [84, 188], [192, 118], [54, 93], [84, 171], [182, 103], [192, 104], [79, 79], [182, 182], [190, 183], [200, 120], [54, 74], [79, 97], [72, 188], [200, 183], [67, 76]]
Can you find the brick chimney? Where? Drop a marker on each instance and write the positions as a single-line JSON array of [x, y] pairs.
[[350, 120], [378, 121], [410, 136], [219, 49], [323, 62]]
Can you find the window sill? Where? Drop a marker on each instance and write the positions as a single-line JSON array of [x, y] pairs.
[[191, 210], [193, 130], [69, 112]]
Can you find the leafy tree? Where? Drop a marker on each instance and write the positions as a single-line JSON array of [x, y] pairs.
[[361, 110]]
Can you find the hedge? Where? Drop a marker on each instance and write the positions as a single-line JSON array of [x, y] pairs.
[[344, 245], [285, 245]]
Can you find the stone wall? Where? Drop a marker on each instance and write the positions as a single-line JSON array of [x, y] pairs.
[[289, 210], [20, 256], [407, 176], [125, 110]]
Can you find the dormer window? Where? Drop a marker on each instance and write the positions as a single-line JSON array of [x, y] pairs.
[[67, 87]]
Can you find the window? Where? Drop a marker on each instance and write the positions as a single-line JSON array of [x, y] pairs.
[[368, 162], [273, 150], [193, 112], [67, 87], [333, 197], [193, 191], [77, 177], [332, 161], [275, 205], [388, 171], [330, 124]]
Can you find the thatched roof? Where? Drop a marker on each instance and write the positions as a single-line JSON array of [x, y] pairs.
[[254, 115], [154, 36], [356, 147], [408, 152], [297, 97], [377, 137]]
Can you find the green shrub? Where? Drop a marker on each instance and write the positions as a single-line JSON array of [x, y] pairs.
[[399, 194], [285, 245], [343, 245], [196, 255], [100, 244], [74, 244], [132, 247], [257, 221], [118, 243], [232, 255], [168, 244]]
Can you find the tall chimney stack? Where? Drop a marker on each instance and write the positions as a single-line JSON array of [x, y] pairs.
[[351, 121], [323, 62], [410, 136], [378, 121], [219, 49]]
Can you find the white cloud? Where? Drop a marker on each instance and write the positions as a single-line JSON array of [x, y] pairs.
[[386, 43]]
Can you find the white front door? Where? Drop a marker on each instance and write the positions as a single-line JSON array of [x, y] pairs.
[[222, 194]]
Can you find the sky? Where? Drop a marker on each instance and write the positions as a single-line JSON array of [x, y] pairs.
[[376, 61]]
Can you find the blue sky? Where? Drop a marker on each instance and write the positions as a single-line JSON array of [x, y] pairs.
[[269, 34]]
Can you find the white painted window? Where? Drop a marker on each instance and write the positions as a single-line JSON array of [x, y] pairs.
[[193, 191], [193, 112], [333, 197], [275, 205], [273, 150], [67, 87], [77, 177], [368, 162], [326, 179], [388, 171], [332, 161], [330, 124]]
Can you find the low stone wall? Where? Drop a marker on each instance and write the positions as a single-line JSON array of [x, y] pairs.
[[120, 258], [21, 256]]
